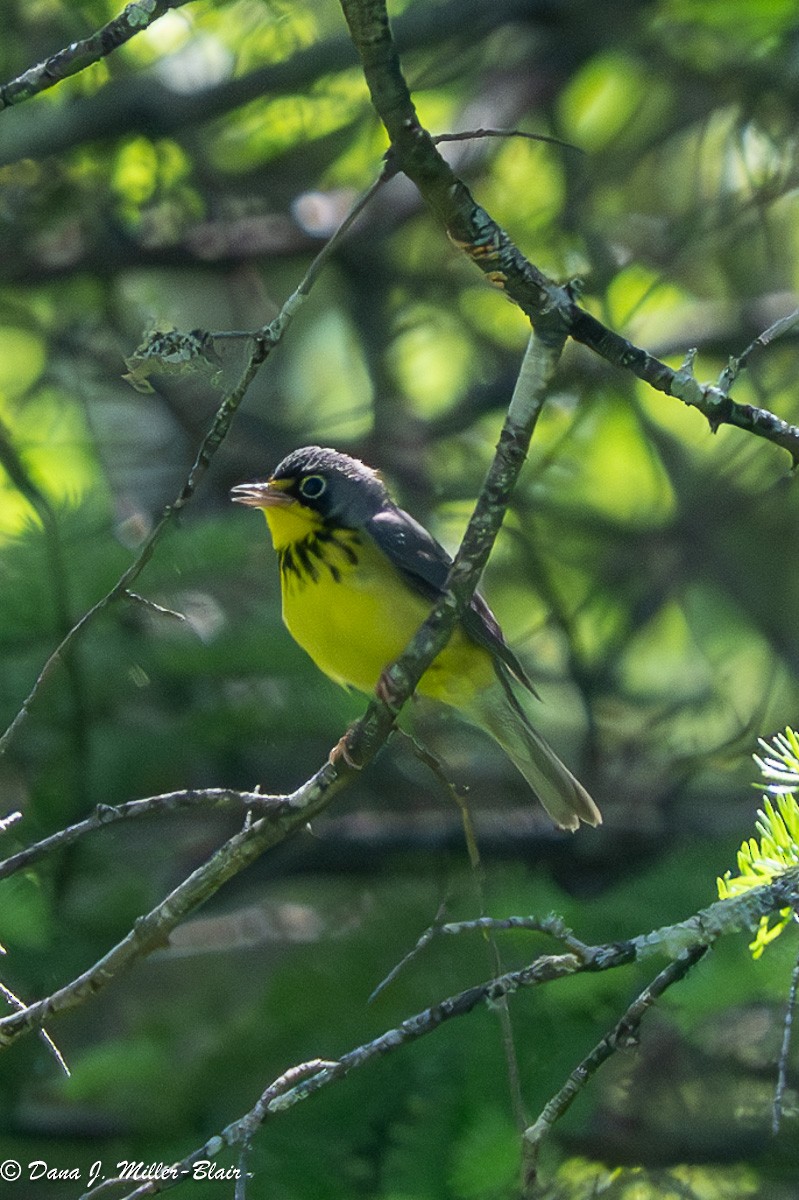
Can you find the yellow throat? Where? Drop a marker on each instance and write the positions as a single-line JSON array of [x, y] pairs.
[[351, 610]]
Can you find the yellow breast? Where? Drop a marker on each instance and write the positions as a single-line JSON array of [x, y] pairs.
[[351, 610]]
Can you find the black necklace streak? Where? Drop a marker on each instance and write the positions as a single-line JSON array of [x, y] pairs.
[[300, 559]]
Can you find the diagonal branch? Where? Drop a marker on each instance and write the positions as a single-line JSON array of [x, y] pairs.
[[261, 343], [77, 56], [624, 1033], [489, 247], [400, 678], [286, 815]]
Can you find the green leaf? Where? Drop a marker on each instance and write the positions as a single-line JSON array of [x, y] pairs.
[[760, 862]]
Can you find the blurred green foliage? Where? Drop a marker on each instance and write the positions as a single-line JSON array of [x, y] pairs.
[[646, 572]]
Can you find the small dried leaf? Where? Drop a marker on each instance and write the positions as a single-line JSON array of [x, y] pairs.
[[173, 353]]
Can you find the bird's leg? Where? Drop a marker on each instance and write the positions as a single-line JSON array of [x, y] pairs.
[[387, 690]]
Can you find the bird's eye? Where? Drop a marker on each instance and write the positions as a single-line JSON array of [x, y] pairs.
[[312, 486]]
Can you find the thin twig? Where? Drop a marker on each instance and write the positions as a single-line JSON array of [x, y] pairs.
[[782, 1077], [469, 135], [208, 447], [152, 606], [26, 485], [736, 365], [107, 814], [14, 1001], [623, 1034], [502, 1009], [552, 925], [263, 342]]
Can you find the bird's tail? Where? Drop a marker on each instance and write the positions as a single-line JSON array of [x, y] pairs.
[[500, 713]]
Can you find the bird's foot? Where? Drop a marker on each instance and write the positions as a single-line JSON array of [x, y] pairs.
[[341, 750]]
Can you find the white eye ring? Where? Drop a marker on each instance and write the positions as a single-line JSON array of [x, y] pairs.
[[313, 486]]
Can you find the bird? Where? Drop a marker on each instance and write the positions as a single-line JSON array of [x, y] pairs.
[[358, 577]]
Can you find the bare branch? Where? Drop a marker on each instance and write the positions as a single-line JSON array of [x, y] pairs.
[[77, 56], [400, 678], [473, 231], [9, 820], [283, 816], [469, 135], [152, 607], [106, 814], [301, 1082], [623, 1034], [552, 925]]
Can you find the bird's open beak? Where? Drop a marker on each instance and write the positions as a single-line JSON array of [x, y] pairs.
[[262, 495]]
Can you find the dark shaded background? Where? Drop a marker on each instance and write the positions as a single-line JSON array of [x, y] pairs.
[[646, 572]]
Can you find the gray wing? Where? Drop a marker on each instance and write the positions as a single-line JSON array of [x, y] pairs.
[[424, 564]]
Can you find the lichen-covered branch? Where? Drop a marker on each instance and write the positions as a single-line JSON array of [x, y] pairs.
[[624, 1033], [77, 56], [284, 815], [108, 814], [306, 1079], [490, 248]]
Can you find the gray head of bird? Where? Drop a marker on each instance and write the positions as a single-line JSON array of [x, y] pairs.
[[341, 489]]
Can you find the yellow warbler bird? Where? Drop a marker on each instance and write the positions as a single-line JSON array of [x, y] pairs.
[[359, 575]]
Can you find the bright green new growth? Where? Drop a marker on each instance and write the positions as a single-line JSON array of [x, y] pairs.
[[760, 862]]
